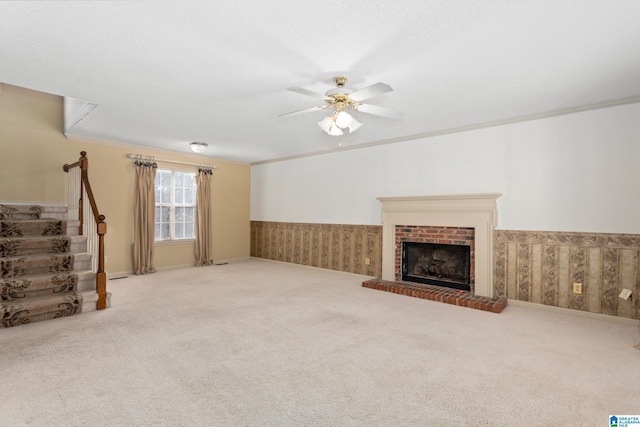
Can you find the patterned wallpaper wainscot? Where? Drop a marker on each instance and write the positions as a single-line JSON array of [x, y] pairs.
[[342, 247], [541, 267]]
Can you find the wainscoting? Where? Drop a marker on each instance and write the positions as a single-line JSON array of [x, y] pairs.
[[541, 267], [533, 266], [341, 247]]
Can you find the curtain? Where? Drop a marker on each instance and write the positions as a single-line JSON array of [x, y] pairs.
[[202, 250], [144, 207]]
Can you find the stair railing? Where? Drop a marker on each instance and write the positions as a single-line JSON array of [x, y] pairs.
[[79, 191]]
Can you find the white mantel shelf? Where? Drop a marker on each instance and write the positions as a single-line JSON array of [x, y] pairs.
[[478, 211]]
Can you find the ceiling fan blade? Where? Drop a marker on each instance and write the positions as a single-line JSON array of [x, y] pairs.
[[370, 91], [307, 92], [379, 111], [306, 110]]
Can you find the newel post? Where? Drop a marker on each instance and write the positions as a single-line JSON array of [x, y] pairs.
[[101, 275]]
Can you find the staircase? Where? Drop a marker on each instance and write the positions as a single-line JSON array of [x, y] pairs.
[[45, 271]]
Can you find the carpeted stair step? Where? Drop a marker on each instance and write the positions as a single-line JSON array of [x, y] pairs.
[[54, 211], [45, 270], [20, 288], [73, 227], [86, 281], [35, 265], [20, 212], [29, 310], [20, 246], [34, 227]]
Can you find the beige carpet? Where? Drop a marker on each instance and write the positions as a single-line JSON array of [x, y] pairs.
[[258, 343]]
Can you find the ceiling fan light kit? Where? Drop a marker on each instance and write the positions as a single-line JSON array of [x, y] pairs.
[[341, 99], [336, 123], [198, 147]]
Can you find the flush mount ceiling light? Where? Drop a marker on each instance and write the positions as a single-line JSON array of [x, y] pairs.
[[342, 99], [198, 147]]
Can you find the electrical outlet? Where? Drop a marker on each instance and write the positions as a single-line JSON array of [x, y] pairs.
[[577, 288], [367, 261], [625, 294]]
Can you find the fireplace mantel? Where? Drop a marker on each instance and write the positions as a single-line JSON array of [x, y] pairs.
[[478, 211]]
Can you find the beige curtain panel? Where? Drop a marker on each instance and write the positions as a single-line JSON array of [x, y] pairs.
[[202, 250], [144, 207]]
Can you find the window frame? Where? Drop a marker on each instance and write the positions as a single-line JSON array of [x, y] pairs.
[[172, 205]]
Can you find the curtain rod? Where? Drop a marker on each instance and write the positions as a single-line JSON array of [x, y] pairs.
[[152, 158]]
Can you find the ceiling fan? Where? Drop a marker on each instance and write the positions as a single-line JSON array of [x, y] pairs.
[[341, 100]]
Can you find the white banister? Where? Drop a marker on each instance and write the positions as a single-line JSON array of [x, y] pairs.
[[90, 230], [88, 222], [73, 202]]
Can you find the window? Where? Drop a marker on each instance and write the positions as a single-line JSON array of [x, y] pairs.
[[175, 205]]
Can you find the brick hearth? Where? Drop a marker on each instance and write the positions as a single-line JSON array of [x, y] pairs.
[[438, 293]]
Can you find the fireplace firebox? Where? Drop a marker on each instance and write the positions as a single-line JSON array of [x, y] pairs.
[[437, 264]]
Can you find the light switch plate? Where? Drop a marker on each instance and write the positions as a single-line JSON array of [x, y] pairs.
[[625, 294]]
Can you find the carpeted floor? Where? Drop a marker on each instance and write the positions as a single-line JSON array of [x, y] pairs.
[[258, 343]]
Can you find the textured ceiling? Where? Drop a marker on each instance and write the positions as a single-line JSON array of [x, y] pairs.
[[163, 73]]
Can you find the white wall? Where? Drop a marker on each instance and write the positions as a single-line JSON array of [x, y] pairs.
[[578, 172]]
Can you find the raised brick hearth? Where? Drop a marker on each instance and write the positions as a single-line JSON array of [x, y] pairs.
[[438, 293]]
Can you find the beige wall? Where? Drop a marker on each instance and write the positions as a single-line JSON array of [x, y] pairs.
[[33, 150]]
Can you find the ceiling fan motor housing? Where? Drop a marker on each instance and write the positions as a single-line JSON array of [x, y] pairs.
[[340, 102], [340, 81], [340, 89]]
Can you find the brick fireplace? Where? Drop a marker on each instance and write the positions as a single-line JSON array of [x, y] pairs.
[[447, 215], [441, 256]]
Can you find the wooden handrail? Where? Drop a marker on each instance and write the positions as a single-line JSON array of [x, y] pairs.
[[101, 225]]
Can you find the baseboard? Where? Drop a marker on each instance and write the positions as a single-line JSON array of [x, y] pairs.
[[123, 274], [229, 260], [570, 312], [119, 275]]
